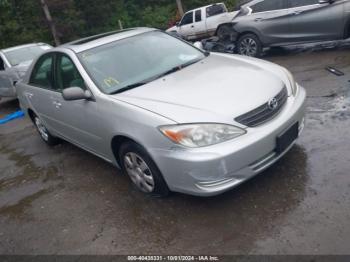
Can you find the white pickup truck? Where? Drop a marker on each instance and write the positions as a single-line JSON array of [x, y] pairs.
[[202, 22]]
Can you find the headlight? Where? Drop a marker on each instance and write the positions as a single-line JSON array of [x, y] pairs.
[[293, 85], [200, 135]]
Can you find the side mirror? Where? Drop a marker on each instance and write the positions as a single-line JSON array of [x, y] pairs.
[[76, 93], [199, 45]]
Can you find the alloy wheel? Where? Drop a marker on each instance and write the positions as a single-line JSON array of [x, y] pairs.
[[248, 47]]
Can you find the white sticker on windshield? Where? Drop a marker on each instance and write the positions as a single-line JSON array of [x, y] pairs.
[[187, 57]]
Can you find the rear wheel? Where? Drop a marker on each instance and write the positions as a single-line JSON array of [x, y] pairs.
[[141, 169], [44, 133], [249, 45]]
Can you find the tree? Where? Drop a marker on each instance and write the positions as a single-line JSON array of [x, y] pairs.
[[50, 22], [54, 21], [180, 7]]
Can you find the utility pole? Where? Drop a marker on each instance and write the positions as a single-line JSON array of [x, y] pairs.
[[180, 7], [51, 23]]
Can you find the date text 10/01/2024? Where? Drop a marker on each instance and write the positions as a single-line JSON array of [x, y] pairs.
[[173, 258]]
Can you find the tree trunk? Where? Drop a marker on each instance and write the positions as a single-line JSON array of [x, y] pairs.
[[120, 25], [51, 23], [180, 7]]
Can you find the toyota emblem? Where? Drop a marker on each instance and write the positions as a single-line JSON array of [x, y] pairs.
[[273, 104]]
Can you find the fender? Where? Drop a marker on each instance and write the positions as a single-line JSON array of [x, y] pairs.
[[252, 30], [239, 33], [230, 24]]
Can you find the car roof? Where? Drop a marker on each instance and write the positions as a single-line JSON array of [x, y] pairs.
[[105, 38], [21, 46]]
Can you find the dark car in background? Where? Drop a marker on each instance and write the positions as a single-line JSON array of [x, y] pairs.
[[268, 23]]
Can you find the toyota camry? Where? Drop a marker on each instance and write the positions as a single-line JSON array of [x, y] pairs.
[[171, 116]]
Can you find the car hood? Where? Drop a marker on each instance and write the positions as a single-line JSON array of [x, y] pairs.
[[23, 67], [233, 14], [172, 29], [216, 89]]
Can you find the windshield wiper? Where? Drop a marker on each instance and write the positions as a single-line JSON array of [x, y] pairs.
[[177, 68], [128, 87], [172, 70]]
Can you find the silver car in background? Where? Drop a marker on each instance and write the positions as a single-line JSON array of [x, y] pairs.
[[266, 23], [173, 117], [14, 63]]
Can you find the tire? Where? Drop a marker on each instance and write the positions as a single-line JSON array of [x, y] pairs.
[[142, 170], [44, 133], [224, 33], [249, 45]]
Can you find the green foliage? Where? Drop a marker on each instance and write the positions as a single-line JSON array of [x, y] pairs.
[[23, 21]]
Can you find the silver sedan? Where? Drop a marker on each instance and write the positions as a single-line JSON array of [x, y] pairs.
[[171, 116]]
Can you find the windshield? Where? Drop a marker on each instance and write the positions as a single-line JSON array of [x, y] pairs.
[[20, 55], [134, 61]]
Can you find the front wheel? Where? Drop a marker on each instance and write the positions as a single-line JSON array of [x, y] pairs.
[[141, 169], [249, 45], [224, 32]]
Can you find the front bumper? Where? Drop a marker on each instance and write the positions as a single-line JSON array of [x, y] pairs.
[[213, 170]]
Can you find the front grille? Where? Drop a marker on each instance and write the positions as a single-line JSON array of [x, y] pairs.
[[263, 113]]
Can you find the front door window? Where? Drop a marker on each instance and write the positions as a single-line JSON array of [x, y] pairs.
[[67, 74]]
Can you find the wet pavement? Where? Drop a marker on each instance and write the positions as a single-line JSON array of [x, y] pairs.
[[63, 200]]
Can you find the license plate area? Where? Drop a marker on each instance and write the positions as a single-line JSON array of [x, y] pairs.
[[287, 138]]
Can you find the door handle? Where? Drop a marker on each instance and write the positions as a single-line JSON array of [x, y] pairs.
[[192, 26], [297, 12], [259, 19], [57, 104]]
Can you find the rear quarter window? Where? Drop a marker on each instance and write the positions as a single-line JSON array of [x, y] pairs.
[[215, 10], [297, 3], [269, 5]]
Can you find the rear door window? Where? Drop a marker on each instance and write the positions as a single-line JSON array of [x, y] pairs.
[[269, 5], [42, 75], [215, 10], [187, 19], [298, 3], [198, 15]]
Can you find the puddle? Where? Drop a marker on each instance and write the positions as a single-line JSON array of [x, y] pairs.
[[29, 171], [19, 209], [331, 108], [24, 182]]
